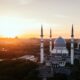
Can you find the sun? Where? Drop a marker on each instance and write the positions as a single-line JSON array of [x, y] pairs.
[[9, 34], [10, 27], [10, 31]]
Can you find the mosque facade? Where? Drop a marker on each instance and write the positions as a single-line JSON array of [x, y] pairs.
[[59, 56]]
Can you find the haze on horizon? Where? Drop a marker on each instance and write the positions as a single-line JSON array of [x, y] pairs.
[[23, 18]]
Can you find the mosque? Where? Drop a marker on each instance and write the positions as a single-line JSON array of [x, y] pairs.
[[55, 62]]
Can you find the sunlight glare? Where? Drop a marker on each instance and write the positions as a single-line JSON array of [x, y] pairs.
[[11, 26]]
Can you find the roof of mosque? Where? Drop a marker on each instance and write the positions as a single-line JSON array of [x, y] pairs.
[[60, 42]]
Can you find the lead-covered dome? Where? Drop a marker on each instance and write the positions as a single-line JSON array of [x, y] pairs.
[[60, 42]]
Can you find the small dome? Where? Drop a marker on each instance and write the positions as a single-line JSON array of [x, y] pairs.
[[60, 42]]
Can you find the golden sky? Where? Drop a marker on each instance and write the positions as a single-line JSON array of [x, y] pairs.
[[23, 18]]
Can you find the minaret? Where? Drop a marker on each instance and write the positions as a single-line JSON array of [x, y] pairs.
[[50, 47], [42, 47], [72, 45]]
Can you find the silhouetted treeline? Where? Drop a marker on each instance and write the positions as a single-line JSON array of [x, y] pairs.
[[18, 70], [28, 70]]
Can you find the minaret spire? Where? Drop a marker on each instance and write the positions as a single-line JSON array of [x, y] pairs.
[[72, 45], [42, 47], [50, 33], [72, 34], [41, 31], [50, 41]]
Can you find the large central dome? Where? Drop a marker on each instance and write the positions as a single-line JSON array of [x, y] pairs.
[[59, 46], [60, 42]]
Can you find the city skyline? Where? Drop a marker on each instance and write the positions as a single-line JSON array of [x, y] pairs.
[[23, 18]]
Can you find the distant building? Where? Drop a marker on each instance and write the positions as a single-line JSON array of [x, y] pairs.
[[27, 57], [55, 62], [16, 37]]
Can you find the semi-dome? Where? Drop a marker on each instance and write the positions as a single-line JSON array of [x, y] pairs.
[[60, 42]]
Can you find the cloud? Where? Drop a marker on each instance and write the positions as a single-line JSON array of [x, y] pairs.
[[21, 2], [24, 2], [60, 16]]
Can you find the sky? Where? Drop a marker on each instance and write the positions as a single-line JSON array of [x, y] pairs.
[[23, 18]]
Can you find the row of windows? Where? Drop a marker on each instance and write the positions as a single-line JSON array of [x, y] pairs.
[[60, 51]]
